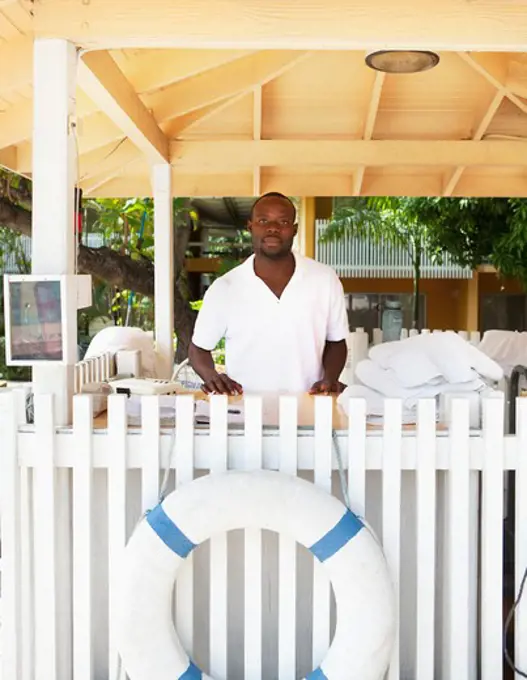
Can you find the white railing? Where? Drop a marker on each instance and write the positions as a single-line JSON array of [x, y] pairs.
[[95, 369], [419, 489], [364, 257]]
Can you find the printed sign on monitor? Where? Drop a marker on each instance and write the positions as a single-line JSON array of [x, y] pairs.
[[35, 321]]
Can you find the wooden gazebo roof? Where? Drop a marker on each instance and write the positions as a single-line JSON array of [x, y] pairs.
[[249, 96]]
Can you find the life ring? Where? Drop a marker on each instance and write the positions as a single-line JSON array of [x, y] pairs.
[[365, 627]]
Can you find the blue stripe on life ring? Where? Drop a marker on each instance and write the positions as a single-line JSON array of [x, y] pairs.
[[169, 533], [192, 673], [317, 674], [346, 528]]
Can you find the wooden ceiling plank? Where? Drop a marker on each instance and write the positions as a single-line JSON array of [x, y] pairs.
[[8, 158], [369, 125], [16, 124], [106, 85], [207, 155], [482, 64], [161, 68], [485, 119], [16, 64], [175, 127], [222, 82], [107, 160], [494, 25], [257, 135]]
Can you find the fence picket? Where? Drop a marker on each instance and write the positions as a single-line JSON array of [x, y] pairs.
[[287, 548], [82, 538], [253, 549], [520, 624], [357, 456], [321, 587], [391, 507], [151, 452], [117, 535], [44, 542], [11, 540], [458, 547], [184, 474], [492, 541], [218, 547], [426, 538]]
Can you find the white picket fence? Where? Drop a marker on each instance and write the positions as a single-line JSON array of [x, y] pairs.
[[94, 369], [255, 606]]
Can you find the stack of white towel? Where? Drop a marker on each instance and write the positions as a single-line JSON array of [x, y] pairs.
[[507, 348], [420, 367]]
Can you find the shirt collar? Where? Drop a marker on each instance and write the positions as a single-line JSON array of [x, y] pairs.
[[299, 266]]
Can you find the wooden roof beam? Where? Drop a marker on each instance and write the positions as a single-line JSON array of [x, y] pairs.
[[485, 118], [369, 125], [493, 25], [220, 83], [104, 82], [213, 155], [494, 69]]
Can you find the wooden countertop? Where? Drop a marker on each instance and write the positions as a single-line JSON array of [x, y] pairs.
[[306, 413]]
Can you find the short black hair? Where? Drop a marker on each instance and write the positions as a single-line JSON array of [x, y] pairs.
[[273, 194]]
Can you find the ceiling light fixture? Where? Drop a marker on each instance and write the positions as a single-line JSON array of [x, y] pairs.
[[402, 61]]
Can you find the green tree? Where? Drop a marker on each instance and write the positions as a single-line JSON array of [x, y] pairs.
[[473, 231], [122, 262]]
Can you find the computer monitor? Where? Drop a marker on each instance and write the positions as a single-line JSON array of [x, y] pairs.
[[35, 319]]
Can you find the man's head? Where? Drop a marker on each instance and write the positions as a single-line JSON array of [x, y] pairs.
[[272, 225]]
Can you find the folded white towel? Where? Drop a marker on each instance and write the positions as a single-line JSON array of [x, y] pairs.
[[373, 376], [422, 359], [374, 403]]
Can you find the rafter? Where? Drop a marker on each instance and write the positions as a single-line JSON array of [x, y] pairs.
[[217, 84], [494, 70], [209, 156], [369, 125], [176, 126], [485, 118], [105, 83], [161, 68]]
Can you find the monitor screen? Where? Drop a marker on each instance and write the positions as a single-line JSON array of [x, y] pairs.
[[36, 321]]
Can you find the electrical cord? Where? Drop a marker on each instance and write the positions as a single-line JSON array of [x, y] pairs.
[[507, 625]]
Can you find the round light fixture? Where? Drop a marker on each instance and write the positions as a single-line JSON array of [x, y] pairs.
[[402, 61]]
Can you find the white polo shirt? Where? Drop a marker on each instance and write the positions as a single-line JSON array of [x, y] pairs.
[[271, 344]]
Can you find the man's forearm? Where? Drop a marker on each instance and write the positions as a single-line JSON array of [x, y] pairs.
[[201, 361], [334, 359]]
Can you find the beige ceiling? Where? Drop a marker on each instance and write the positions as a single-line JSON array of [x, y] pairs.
[[237, 120]]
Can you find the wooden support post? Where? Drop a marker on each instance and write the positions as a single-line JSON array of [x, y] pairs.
[[54, 176], [306, 227], [472, 320], [164, 267]]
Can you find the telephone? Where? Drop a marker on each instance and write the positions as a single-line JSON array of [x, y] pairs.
[[144, 386]]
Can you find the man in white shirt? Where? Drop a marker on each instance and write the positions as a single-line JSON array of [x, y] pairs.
[[283, 316]]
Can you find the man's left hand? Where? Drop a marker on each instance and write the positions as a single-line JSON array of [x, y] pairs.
[[326, 386]]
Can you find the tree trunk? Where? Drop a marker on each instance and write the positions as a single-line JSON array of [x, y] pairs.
[[416, 321], [123, 271]]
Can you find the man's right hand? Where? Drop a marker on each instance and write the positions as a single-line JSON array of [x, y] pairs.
[[220, 383]]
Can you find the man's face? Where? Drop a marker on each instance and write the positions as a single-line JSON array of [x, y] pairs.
[[273, 227]]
